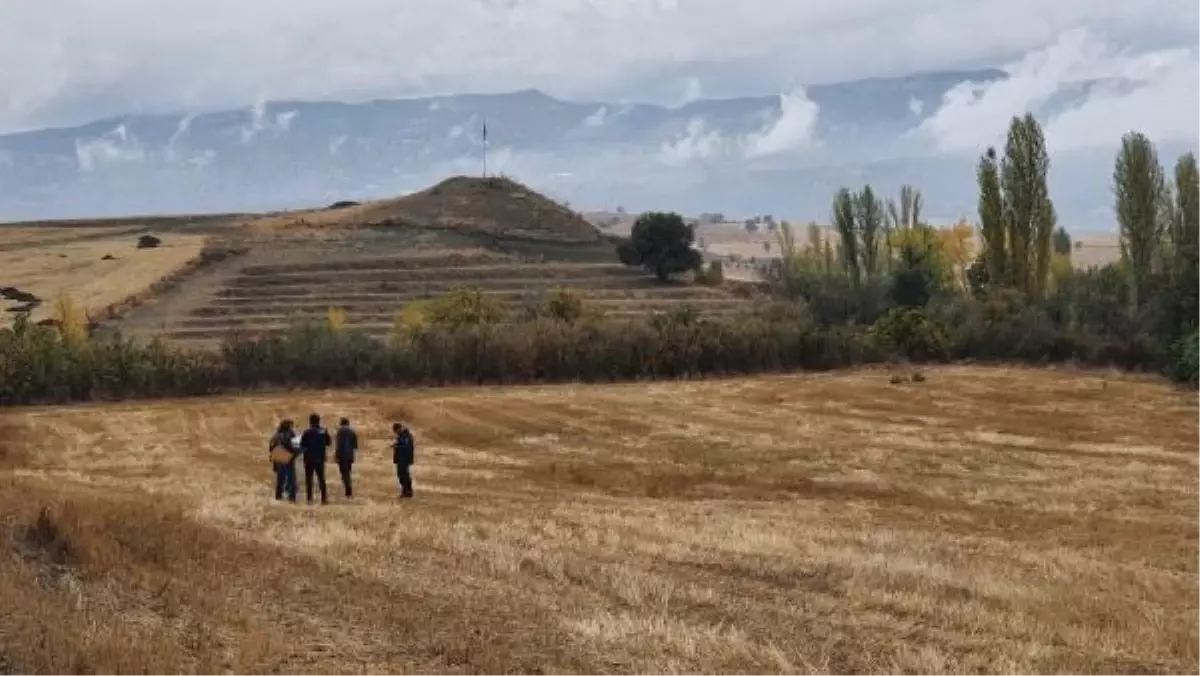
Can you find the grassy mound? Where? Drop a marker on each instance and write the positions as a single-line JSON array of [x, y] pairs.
[[497, 206]]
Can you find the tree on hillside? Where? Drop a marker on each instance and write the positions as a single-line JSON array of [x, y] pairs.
[[993, 230], [843, 220], [1028, 212], [662, 243], [1140, 190], [869, 215]]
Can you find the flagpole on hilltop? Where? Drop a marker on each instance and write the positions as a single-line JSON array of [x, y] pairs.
[[485, 147]]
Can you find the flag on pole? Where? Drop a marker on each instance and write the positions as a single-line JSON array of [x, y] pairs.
[[485, 147], [485, 130]]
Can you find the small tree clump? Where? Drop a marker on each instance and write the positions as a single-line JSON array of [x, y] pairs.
[[911, 333], [661, 243]]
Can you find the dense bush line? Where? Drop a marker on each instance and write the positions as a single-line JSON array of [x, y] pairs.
[[47, 365]]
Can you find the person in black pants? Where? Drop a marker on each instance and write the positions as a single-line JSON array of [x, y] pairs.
[[343, 453], [285, 472], [313, 443], [403, 454]]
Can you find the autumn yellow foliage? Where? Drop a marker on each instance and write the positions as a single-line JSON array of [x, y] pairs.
[[336, 319], [71, 318]]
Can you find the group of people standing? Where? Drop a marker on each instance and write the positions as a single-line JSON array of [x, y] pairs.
[[312, 445]]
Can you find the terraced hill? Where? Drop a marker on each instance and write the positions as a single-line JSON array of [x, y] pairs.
[[371, 260], [267, 298]]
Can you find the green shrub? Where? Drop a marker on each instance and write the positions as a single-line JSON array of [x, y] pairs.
[[910, 333], [561, 304], [1185, 361], [465, 305]]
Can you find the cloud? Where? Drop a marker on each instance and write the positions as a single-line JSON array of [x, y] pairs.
[[1107, 92], [114, 146], [696, 143], [794, 129], [82, 60], [597, 118]]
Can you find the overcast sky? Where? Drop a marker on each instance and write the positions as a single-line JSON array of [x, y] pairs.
[[69, 61]]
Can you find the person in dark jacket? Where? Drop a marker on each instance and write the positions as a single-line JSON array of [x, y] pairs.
[[344, 448], [285, 472], [403, 455], [313, 443]]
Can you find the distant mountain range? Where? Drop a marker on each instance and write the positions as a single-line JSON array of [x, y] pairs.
[[772, 154]]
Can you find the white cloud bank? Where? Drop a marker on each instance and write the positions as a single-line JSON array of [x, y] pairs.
[[70, 61], [792, 129], [1153, 91]]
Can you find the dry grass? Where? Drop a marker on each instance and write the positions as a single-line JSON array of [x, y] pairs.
[[983, 521], [78, 269], [495, 206]]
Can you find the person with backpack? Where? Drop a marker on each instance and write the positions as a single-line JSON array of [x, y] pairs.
[[282, 450], [313, 443], [343, 454], [403, 455]]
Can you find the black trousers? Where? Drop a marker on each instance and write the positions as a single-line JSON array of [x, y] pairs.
[[311, 468], [344, 470], [404, 474]]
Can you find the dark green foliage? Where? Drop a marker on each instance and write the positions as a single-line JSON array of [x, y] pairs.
[[993, 229], [1062, 242], [910, 333], [868, 217], [915, 277], [627, 254], [847, 228], [979, 276], [1142, 209], [1028, 212], [1185, 359], [148, 242], [663, 244]]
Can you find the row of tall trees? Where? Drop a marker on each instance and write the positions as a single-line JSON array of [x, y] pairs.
[[1157, 217]]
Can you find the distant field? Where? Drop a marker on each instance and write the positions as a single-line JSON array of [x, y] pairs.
[[731, 239], [48, 261], [987, 520]]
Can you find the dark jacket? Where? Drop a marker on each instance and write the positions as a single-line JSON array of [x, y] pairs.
[[403, 451], [347, 443], [313, 443]]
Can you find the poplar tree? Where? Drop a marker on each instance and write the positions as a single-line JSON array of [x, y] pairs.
[[1185, 227], [1028, 213], [843, 220], [868, 215], [1140, 188], [992, 228]]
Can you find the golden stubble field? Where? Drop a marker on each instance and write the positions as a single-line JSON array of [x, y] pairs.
[[986, 520], [49, 262]]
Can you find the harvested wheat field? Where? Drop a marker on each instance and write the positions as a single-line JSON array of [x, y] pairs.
[[94, 271], [985, 520]]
